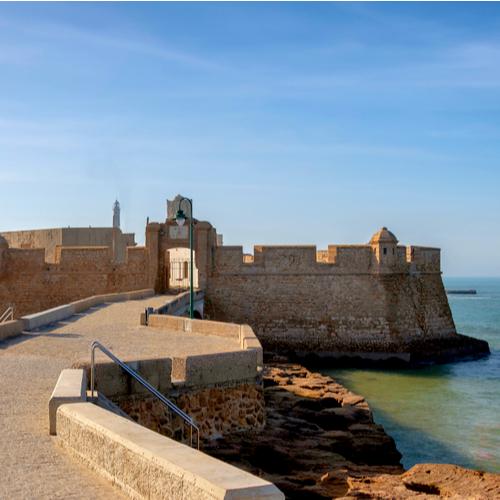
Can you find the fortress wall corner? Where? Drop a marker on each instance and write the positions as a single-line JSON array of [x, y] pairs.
[[294, 301], [424, 259]]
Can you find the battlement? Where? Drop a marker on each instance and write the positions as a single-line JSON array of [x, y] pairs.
[[337, 259], [68, 257], [33, 282], [424, 259]]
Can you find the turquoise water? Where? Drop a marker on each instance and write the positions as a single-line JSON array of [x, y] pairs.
[[448, 413]]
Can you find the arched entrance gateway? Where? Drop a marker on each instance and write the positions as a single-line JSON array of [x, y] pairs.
[[177, 271], [168, 249]]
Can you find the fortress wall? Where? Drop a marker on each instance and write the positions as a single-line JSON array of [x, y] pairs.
[[353, 258], [137, 259], [293, 302], [425, 259], [47, 239], [337, 259], [51, 239], [294, 259], [74, 259], [31, 284]]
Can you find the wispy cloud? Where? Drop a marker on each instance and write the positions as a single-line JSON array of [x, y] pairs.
[[134, 43]]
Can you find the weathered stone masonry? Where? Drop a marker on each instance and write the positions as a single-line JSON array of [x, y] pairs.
[[31, 284], [380, 297], [219, 410], [349, 298]]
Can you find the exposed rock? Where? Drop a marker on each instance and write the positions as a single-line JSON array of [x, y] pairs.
[[320, 441], [317, 435], [427, 481]]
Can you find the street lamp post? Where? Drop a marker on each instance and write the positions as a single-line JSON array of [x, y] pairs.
[[180, 218]]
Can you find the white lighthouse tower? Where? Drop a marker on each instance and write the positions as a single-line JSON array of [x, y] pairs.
[[116, 215]]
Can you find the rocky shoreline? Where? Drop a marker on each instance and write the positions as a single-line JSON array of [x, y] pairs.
[[317, 434], [320, 441]]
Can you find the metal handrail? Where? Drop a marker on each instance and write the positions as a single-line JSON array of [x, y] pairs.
[[7, 315], [171, 406]]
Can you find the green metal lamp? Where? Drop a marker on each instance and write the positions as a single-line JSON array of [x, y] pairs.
[[180, 217]]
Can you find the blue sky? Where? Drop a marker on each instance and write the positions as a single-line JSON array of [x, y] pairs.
[[287, 123]]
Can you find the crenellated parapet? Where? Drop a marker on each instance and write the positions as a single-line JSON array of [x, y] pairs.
[[32, 282], [371, 300], [77, 258], [382, 255], [424, 259]]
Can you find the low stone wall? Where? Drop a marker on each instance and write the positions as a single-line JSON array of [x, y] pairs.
[[206, 369], [71, 387], [112, 381], [42, 318], [11, 328], [221, 391], [242, 333], [145, 464], [180, 305], [219, 410]]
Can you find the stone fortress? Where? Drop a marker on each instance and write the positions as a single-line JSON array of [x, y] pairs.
[[376, 301], [250, 429]]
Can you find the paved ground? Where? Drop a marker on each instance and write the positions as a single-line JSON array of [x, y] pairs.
[[31, 464]]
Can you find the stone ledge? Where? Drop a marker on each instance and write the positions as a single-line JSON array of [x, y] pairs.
[[206, 369], [242, 333], [11, 328], [71, 387], [248, 340], [37, 320], [147, 465], [197, 326], [33, 321], [114, 382]]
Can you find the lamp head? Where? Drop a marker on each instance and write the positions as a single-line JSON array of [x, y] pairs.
[[180, 218]]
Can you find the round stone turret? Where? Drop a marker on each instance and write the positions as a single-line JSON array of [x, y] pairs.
[[384, 245], [383, 236]]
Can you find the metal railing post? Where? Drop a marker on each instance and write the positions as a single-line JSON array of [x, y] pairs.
[[130, 371], [7, 315]]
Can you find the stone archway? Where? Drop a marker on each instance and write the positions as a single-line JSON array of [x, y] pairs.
[[177, 271], [161, 237]]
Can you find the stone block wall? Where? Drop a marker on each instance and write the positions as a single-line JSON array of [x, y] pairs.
[[31, 284], [206, 369], [218, 409], [293, 302]]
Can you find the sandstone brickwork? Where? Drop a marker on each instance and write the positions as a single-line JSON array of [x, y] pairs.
[[351, 302], [31, 284], [219, 410], [373, 300]]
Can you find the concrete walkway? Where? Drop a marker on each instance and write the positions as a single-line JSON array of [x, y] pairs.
[[31, 464]]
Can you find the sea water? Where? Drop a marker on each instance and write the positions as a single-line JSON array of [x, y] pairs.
[[446, 413]]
